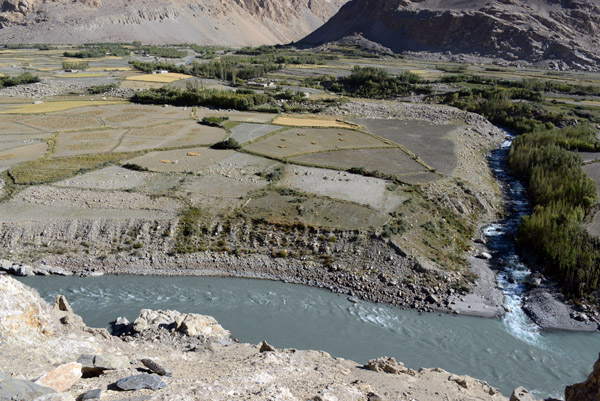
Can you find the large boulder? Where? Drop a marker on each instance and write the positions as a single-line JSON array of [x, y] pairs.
[[150, 319], [97, 364], [24, 316], [190, 324], [62, 377], [388, 365], [194, 325], [521, 394], [155, 367], [18, 389], [139, 382], [589, 390]]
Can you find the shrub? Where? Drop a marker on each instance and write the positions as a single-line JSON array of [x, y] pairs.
[[214, 121], [98, 89], [229, 143], [21, 79]]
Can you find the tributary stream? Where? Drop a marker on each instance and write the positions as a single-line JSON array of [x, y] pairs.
[[505, 353]]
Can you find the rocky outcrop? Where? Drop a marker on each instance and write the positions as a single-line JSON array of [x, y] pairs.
[[24, 316], [557, 33], [234, 22], [521, 394], [197, 328], [589, 390], [388, 365]]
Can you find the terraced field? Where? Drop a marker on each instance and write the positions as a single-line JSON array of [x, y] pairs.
[[429, 142], [391, 162], [149, 174], [300, 141]]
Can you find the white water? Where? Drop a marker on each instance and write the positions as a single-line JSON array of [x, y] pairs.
[[500, 237]]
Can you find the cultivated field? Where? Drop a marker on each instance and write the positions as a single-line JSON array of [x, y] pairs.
[[368, 191], [246, 132], [391, 162], [78, 154], [49, 107], [160, 78], [429, 142], [312, 121], [299, 141]]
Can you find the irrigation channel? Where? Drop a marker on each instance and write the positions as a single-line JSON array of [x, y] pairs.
[[506, 353]]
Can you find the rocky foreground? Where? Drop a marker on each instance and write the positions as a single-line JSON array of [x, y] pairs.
[[48, 353]]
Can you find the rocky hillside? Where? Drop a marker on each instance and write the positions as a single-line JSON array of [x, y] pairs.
[[232, 22], [559, 33]]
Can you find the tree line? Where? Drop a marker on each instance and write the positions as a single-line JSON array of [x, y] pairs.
[[561, 195]]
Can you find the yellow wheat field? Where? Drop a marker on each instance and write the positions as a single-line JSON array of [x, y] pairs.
[[83, 75], [109, 69], [49, 107], [311, 122], [44, 69], [161, 78]]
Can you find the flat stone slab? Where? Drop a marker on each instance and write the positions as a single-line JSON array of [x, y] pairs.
[[95, 394], [62, 377], [139, 382], [18, 389]]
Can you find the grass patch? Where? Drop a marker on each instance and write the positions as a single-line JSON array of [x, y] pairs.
[[53, 169]]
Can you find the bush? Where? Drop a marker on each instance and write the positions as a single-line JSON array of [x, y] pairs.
[[372, 82], [228, 143], [98, 89], [21, 79], [75, 65], [161, 51], [214, 121], [134, 167], [97, 51]]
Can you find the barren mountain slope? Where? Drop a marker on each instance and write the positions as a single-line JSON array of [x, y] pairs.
[[224, 22], [534, 31]]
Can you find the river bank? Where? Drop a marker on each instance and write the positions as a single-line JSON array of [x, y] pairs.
[[406, 294], [485, 300]]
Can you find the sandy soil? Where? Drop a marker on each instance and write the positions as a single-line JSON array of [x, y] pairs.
[[342, 185], [486, 300], [248, 132]]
